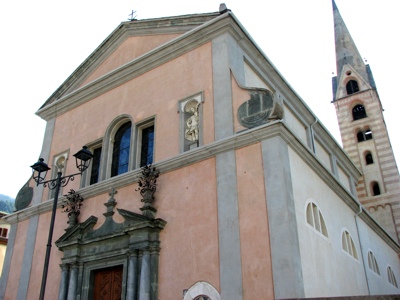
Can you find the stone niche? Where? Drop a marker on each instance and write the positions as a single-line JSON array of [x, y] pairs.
[[260, 109]]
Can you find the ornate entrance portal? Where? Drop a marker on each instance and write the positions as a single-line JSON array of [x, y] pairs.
[[115, 261]]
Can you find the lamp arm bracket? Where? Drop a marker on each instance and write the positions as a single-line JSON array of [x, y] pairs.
[[52, 184]]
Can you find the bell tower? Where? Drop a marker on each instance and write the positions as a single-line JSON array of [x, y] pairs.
[[363, 130]]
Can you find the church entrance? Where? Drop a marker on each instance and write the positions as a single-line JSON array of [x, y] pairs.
[[108, 283]]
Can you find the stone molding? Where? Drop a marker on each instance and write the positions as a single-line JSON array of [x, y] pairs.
[[180, 24]]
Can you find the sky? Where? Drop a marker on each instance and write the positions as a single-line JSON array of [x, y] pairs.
[[44, 41]]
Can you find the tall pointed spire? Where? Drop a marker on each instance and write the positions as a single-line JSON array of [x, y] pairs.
[[334, 5], [346, 50], [363, 130]]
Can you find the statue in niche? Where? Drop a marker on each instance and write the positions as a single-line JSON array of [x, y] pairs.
[[192, 123]]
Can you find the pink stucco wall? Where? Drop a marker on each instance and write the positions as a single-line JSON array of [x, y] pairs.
[[54, 274], [155, 93], [17, 258], [131, 48], [189, 243]]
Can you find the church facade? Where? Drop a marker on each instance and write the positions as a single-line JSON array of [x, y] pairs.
[[210, 179]]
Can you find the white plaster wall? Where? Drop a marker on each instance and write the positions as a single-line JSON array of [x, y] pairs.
[[295, 125], [323, 155], [327, 269], [344, 178], [385, 256], [252, 79]]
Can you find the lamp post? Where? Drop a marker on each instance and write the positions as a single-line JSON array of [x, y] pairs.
[[40, 169]]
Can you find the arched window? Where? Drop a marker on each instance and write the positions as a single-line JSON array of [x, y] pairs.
[[201, 291], [391, 277], [359, 112], [348, 244], [147, 146], [121, 150], [368, 134], [375, 189], [372, 264], [360, 137], [202, 297], [368, 158], [364, 135], [315, 218], [352, 87]]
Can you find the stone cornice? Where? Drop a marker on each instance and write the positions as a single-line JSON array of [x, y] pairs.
[[239, 140], [324, 135]]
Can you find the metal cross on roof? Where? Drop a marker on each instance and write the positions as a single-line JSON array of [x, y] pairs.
[[132, 16]]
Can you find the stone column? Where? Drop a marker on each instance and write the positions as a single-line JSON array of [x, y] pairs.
[[132, 282], [144, 293], [73, 278], [62, 294]]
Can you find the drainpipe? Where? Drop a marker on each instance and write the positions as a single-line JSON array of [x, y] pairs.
[[361, 248]]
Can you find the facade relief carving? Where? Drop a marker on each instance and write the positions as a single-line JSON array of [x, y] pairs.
[[192, 123]]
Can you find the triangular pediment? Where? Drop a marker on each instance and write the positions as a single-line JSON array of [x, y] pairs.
[[78, 230], [126, 43], [85, 232], [110, 228], [349, 73]]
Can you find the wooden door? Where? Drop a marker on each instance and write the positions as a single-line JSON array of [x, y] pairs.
[[108, 284]]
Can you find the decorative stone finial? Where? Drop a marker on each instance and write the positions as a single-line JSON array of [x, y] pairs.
[[147, 188], [223, 9], [111, 203], [72, 206]]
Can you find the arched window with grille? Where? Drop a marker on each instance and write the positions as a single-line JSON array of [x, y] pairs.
[[391, 278], [315, 218], [359, 112], [348, 244], [121, 150], [202, 297], [372, 264], [352, 87]]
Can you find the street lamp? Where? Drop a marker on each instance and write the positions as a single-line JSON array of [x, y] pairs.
[[40, 169]]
